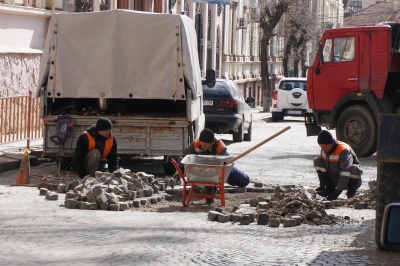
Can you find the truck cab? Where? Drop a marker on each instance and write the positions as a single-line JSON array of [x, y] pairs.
[[353, 78]]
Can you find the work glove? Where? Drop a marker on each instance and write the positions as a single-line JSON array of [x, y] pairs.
[[334, 195]]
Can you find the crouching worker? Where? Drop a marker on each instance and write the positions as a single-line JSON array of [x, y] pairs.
[[95, 148], [207, 144], [338, 168]]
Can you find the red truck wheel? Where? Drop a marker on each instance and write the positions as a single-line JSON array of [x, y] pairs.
[[356, 126]]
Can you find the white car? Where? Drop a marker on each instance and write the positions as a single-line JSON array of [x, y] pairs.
[[290, 99]]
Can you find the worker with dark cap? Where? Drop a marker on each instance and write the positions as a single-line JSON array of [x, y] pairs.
[[207, 144], [96, 149], [337, 167]]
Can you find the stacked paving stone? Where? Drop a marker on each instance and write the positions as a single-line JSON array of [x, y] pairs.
[[117, 191], [287, 206]]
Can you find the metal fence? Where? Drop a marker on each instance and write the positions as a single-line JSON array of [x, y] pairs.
[[19, 119]]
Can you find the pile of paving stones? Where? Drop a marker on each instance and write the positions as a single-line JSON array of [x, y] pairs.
[[364, 200], [286, 205], [115, 191]]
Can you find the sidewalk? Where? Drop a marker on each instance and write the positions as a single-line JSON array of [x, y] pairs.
[[11, 154]]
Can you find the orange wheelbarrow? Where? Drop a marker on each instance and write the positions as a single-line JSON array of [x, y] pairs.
[[204, 171]]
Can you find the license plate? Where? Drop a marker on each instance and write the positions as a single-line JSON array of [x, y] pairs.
[[294, 112], [205, 102]]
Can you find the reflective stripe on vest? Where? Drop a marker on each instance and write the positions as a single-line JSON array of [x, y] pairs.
[[108, 144], [219, 146], [334, 157]]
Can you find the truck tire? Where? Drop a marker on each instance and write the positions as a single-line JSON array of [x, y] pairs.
[[238, 136], [356, 126], [169, 168], [388, 191]]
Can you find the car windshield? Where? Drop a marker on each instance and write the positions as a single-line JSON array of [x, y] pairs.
[[291, 84]]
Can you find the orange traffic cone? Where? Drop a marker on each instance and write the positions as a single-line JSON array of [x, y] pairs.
[[23, 177]]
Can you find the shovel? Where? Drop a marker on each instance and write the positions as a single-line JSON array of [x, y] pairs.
[[257, 145]]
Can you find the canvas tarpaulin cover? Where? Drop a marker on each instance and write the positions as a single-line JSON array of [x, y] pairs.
[[120, 54]]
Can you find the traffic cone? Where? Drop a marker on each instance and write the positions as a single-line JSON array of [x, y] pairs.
[[23, 177]]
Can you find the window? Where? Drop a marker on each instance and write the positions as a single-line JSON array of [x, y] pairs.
[[343, 50], [355, 6], [327, 50]]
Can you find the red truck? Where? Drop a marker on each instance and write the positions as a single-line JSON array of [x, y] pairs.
[[354, 77], [353, 86]]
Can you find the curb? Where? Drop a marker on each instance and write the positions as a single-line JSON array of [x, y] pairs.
[[10, 162]]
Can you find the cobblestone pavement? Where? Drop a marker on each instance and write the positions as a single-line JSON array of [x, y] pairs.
[[35, 231]]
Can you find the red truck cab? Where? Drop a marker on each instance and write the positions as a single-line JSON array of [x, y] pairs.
[[355, 76]]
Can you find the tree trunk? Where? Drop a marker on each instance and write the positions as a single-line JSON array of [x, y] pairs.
[[303, 61], [296, 67], [264, 75]]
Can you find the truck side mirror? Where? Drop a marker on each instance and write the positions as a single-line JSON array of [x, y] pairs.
[[390, 230], [210, 78]]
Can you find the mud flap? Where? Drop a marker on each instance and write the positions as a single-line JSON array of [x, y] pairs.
[[311, 126]]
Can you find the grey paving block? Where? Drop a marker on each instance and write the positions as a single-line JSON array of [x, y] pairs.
[[262, 218], [274, 222], [298, 219], [223, 218], [245, 220], [327, 204], [288, 222], [213, 215], [123, 206], [51, 195], [71, 204], [114, 207], [136, 203], [43, 191]]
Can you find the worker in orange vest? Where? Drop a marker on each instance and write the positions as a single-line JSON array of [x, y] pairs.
[[207, 144], [96, 149], [338, 168]]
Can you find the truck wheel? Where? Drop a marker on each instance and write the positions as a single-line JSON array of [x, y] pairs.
[[169, 168], [247, 137], [387, 192], [238, 137], [356, 126]]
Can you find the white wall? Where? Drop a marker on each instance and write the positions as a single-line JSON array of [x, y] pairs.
[[21, 33], [22, 36]]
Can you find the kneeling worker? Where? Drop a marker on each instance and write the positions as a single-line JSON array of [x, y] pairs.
[[207, 144], [93, 146], [338, 167]]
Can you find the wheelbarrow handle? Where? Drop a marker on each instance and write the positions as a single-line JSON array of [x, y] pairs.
[[256, 146]]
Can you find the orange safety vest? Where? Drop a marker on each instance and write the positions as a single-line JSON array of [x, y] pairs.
[[218, 143], [334, 156], [108, 144]]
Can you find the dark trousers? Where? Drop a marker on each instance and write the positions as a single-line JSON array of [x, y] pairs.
[[353, 185], [238, 178]]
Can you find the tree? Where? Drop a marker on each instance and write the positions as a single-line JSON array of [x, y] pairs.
[[299, 27], [271, 12]]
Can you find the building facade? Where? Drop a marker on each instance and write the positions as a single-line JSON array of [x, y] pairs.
[[228, 36]]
